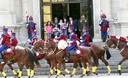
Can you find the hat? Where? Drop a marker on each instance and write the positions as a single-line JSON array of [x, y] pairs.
[[103, 16], [5, 29], [13, 33], [112, 36], [122, 39], [30, 18]]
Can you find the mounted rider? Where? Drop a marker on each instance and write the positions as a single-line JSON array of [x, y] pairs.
[[34, 38], [13, 40], [62, 36], [84, 39], [72, 45], [5, 42]]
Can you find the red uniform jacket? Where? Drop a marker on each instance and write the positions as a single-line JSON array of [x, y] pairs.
[[13, 41], [62, 37], [104, 25], [6, 40]]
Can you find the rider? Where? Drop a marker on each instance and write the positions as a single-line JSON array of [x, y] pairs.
[[62, 36], [72, 44], [5, 43], [13, 40], [34, 38], [84, 38]]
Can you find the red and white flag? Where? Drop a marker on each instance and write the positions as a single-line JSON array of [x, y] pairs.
[[26, 14]]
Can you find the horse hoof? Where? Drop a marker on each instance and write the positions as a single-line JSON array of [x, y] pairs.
[[82, 75], [71, 75], [95, 73], [29, 77], [119, 71], [108, 73], [57, 76], [63, 74], [5, 77], [88, 73]]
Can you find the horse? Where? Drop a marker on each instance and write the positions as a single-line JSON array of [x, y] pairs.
[[123, 47], [26, 58], [48, 54], [60, 54], [119, 43], [100, 52]]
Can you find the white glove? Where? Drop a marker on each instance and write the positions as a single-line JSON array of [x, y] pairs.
[[100, 21], [107, 29], [55, 37], [29, 40]]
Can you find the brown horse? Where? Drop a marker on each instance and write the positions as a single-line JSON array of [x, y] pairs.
[[26, 58], [120, 43], [45, 53], [100, 52], [123, 47], [60, 54]]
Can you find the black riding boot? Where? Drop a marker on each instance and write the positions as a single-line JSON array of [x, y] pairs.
[[1, 59], [67, 56]]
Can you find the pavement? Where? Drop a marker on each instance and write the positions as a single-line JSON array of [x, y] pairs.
[[125, 75]]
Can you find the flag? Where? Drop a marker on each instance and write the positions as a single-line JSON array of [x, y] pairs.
[[26, 14]]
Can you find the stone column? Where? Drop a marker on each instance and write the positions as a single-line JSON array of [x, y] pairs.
[[36, 16], [96, 12], [6, 12], [123, 17]]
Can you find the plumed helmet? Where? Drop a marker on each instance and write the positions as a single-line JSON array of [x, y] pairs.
[[13, 33], [5, 29], [122, 39], [30, 18]]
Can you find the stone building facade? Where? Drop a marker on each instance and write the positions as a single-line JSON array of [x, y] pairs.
[[12, 15]]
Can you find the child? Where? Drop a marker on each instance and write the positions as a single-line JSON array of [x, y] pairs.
[[56, 30], [48, 29]]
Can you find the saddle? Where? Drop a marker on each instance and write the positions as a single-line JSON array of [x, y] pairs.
[[8, 51], [74, 51]]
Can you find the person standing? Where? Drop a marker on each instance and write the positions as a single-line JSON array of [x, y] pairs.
[[56, 30], [65, 27], [82, 23], [31, 26], [104, 24], [48, 29], [55, 22]]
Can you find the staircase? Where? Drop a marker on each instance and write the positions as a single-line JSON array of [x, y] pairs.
[[113, 62]]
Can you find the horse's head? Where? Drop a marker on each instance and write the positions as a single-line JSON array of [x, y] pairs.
[[121, 43], [112, 40], [38, 45], [49, 44]]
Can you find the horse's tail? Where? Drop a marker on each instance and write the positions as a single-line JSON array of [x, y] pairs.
[[108, 54], [32, 57], [95, 58]]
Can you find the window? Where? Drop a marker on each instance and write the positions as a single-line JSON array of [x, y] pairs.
[[46, 0]]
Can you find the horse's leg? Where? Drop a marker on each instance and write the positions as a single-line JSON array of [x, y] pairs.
[[74, 68], [28, 70], [14, 72], [119, 65], [93, 66], [59, 66], [106, 63], [66, 70], [84, 68], [32, 72], [1, 69], [20, 69], [51, 67]]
